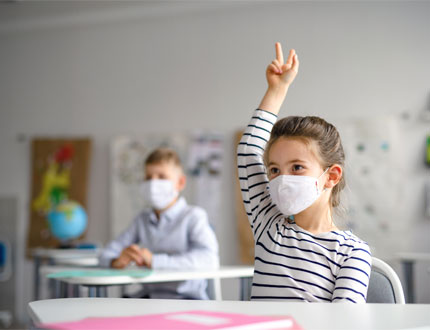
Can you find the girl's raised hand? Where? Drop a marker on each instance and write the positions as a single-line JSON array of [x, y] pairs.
[[280, 74]]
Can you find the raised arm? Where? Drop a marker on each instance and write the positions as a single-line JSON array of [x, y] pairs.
[[252, 173], [279, 77]]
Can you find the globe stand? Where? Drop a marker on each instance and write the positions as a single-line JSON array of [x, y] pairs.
[[74, 244], [66, 245]]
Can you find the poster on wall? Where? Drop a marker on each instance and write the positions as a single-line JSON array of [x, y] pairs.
[[373, 194], [201, 157], [59, 184], [204, 167]]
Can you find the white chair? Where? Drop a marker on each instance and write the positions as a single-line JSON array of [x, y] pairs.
[[384, 284]]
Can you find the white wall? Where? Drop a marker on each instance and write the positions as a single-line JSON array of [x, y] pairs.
[[118, 70]]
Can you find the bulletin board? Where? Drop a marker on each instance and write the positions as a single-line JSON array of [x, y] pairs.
[[61, 164], [373, 196]]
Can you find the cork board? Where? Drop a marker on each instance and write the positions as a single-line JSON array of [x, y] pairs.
[[246, 238], [61, 165]]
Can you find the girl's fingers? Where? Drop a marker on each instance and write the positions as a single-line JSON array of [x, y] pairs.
[[274, 68], [277, 65], [290, 57], [296, 63], [279, 54]]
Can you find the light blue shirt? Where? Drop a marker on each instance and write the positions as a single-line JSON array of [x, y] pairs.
[[181, 239]]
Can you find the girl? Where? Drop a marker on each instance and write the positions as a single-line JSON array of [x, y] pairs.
[[291, 175]]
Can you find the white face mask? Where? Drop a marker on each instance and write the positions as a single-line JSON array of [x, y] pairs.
[[294, 193], [159, 193]]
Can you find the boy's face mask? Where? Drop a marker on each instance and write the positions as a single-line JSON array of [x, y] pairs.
[[294, 193], [159, 193]]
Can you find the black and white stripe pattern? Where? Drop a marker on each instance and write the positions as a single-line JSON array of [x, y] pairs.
[[290, 263]]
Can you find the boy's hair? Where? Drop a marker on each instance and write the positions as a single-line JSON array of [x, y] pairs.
[[161, 155], [313, 130]]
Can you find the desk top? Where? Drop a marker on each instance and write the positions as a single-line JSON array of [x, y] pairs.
[[64, 253], [157, 276], [309, 316]]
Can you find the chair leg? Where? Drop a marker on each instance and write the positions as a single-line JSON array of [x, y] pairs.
[[408, 270]]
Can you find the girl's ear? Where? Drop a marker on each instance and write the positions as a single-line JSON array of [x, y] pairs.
[[334, 176]]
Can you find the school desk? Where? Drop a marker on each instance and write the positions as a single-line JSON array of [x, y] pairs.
[[309, 316], [408, 259], [97, 285], [75, 257]]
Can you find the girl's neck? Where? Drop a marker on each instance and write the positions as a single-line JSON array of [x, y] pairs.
[[316, 219]]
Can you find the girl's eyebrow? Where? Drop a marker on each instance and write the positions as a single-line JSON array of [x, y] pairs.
[[296, 161], [289, 162]]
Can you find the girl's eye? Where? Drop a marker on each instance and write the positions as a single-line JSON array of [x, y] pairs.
[[274, 170], [297, 168]]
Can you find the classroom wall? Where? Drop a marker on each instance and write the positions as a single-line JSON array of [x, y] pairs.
[[113, 69]]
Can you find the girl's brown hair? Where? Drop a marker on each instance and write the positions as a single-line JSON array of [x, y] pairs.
[[313, 130]]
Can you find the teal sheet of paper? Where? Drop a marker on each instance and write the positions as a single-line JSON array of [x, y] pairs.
[[101, 272]]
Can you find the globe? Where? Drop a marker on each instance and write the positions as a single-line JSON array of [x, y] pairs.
[[68, 220]]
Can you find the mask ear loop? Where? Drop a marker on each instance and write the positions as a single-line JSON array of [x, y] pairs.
[[325, 189]]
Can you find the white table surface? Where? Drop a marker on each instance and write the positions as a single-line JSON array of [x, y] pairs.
[[156, 276], [309, 316]]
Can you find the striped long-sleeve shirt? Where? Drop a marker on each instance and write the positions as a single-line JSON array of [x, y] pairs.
[[292, 264]]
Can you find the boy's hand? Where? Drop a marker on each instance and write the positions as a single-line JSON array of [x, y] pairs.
[[147, 257], [280, 74], [131, 253]]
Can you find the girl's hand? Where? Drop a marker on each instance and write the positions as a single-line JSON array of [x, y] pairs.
[[280, 74]]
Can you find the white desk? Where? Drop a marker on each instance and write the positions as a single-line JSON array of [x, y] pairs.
[[309, 316], [408, 259], [98, 284], [75, 257]]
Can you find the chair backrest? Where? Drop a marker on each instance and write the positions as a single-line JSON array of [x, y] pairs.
[[384, 284]]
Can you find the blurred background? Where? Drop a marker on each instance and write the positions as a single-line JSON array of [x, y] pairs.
[[108, 69]]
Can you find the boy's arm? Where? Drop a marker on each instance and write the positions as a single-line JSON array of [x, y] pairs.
[[202, 252], [114, 249], [252, 173], [353, 278]]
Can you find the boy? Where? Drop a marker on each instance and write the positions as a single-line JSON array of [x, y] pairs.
[[170, 234]]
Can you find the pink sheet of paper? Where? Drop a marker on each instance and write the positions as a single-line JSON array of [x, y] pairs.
[[190, 320]]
